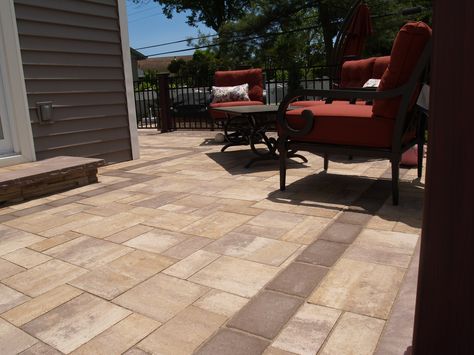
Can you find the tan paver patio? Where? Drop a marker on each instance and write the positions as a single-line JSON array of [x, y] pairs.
[[187, 251]]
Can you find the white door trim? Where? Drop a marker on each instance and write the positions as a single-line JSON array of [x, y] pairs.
[[127, 69], [15, 90]]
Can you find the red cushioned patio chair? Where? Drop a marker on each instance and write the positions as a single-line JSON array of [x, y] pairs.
[[232, 126], [385, 129]]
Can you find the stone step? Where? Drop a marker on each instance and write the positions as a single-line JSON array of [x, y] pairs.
[[30, 180]]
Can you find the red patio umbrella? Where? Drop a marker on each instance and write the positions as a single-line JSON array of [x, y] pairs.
[[357, 31]]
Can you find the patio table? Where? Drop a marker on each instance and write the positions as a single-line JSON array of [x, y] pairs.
[[248, 125]]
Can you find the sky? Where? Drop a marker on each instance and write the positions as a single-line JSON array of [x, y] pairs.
[[148, 26]]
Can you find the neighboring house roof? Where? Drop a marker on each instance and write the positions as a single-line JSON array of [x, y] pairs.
[[137, 54], [161, 63]]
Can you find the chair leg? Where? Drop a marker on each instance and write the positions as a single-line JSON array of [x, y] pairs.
[[326, 162], [395, 178], [282, 157], [420, 159]]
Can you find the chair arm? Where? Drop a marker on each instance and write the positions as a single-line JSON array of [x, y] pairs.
[[342, 94]]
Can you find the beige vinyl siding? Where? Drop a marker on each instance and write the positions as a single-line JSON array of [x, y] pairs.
[[72, 56]]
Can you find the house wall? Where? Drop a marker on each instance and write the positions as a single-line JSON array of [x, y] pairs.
[[72, 55]]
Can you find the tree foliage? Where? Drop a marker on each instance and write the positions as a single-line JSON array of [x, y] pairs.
[[268, 32]]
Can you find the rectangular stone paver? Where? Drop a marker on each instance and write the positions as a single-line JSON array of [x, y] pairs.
[[123, 273], [9, 298], [74, 323], [360, 287], [307, 231], [306, 332], [341, 232], [13, 340], [261, 250], [354, 334], [221, 302], [298, 279], [157, 240], [44, 277], [8, 269], [241, 277], [192, 264], [54, 241], [217, 224], [13, 239], [40, 305], [161, 297], [266, 314], [187, 247], [231, 342], [129, 233], [119, 337], [184, 333], [108, 226], [26, 258], [88, 252]]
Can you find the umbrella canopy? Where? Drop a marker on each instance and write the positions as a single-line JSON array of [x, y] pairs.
[[358, 29]]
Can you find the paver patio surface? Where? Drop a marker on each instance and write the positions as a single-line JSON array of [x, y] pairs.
[[186, 251]]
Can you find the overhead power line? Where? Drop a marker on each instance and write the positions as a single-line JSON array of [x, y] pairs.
[[235, 41], [174, 42]]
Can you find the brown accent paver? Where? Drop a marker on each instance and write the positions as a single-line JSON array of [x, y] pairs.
[[298, 279], [266, 314], [231, 342], [341, 232], [322, 252]]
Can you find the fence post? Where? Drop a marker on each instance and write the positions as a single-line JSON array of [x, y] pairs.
[[164, 97]]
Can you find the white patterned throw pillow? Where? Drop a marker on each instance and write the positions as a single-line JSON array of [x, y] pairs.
[[230, 93]]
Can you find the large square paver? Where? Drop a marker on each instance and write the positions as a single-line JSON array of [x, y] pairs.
[[241, 277], [354, 334], [306, 332], [184, 333], [88, 252], [74, 323], [44, 277], [161, 297], [360, 287]]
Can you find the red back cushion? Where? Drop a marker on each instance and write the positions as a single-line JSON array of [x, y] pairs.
[[380, 65], [406, 51], [253, 77], [355, 73]]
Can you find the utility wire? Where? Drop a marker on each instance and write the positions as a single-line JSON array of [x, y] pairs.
[[235, 41]]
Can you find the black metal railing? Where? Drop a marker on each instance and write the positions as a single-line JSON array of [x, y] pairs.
[[190, 96]]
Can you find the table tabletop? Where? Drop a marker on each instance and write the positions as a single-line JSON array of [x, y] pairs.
[[249, 109]]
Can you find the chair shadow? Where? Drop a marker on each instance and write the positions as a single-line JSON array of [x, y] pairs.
[[334, 192]]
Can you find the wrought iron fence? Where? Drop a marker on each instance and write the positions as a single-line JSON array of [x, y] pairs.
[[190, 96]]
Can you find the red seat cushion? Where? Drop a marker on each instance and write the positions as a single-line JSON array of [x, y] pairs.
[[406, 51], [344, 125], [321, 102], [218, 115], [253, 77]]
